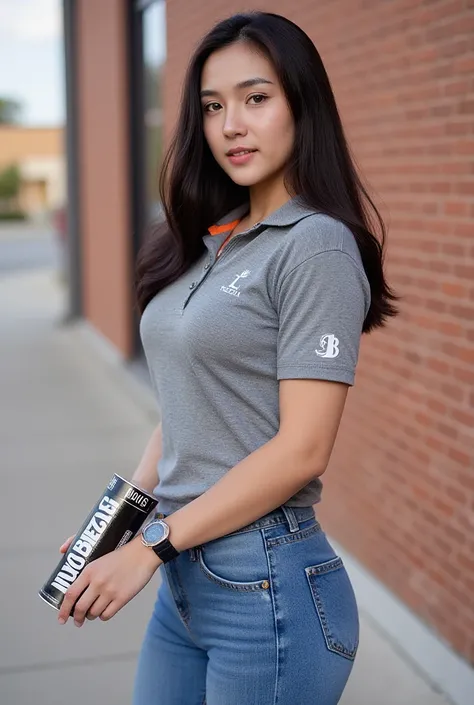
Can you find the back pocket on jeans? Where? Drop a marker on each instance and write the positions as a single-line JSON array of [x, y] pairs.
[[336, 606]]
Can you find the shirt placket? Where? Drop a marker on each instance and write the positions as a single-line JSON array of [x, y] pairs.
[[211, 264]]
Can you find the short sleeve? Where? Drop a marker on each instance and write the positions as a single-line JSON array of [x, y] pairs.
[[322, 304]]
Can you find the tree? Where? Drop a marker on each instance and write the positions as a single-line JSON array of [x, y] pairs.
[[10, 111], [10, 181]]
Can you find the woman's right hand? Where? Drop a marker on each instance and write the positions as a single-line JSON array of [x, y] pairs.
[[66, 544]]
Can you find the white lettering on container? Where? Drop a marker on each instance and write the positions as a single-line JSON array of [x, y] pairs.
[[75, 559]]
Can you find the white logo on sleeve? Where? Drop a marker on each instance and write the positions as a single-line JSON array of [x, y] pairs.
[[329, 346], [233, 289]]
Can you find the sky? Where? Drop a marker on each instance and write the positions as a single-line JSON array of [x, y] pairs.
[[31, 59]]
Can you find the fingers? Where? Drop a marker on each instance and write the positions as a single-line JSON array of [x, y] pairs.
[[110, 611], [97, 608], [66, 544], [72, 595], [84, 604]]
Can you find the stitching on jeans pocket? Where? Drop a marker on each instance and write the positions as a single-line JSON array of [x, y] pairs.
[[336, 607], [296, 536], [254, 586]]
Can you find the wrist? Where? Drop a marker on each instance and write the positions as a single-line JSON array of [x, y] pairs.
[[144, 481], [156, 535], [147, 554]]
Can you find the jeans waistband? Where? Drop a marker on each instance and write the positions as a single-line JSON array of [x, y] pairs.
[[292, 516]]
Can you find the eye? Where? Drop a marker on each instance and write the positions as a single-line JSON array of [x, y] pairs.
[[212, 107], [258, 98]]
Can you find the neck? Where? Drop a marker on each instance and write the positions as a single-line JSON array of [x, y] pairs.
[[264, 199]]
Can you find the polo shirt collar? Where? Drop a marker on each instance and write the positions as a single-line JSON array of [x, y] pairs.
[[227, 223], [289, 213]]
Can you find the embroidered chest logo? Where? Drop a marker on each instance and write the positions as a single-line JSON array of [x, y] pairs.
[[328, 346], [233, 289]]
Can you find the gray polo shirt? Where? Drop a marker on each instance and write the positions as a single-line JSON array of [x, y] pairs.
[[286, 299]]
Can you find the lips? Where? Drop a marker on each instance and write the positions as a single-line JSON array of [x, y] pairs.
[[239, 151]]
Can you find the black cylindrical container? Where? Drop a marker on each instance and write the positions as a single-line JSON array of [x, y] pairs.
[[115, 520]]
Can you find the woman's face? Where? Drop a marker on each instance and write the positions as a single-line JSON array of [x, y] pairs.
[[245, 108]]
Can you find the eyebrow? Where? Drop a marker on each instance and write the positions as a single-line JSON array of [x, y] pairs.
[[243, 84]]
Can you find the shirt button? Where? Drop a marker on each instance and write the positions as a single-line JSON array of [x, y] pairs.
[[192, 285], [206, 266]]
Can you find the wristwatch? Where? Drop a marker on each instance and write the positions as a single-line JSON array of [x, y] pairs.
[[155, 535]]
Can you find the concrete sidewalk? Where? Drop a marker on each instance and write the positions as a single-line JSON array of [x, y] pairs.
[[69, 419]]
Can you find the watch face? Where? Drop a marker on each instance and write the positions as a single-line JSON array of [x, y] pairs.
[[154, 532]]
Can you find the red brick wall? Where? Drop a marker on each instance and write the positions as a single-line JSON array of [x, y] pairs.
[[104, 169], [400, 490]]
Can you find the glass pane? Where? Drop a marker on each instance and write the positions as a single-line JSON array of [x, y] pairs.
[[154, 57]]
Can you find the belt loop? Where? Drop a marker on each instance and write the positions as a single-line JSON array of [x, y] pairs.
[[194, 553], [290, 515]]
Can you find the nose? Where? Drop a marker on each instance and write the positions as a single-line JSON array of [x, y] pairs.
[[233, 124]]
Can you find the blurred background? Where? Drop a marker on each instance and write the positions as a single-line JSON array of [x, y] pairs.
[[89, 92]]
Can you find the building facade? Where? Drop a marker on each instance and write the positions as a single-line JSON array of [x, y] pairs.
[[38, 153], [399, 493]]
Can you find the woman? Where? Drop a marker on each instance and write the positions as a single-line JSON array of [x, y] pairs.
[[254, 295]]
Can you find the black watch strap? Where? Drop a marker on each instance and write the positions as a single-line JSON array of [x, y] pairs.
[[165, 551]]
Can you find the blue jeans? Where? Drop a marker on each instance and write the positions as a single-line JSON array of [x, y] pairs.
[[263, 616]]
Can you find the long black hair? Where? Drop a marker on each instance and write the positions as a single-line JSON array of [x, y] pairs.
[[195, 191]]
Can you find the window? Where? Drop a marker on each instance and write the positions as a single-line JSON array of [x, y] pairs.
[[154, 56], [148, 64]]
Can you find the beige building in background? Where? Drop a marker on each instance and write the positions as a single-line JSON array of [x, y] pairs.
[[39, 154]]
